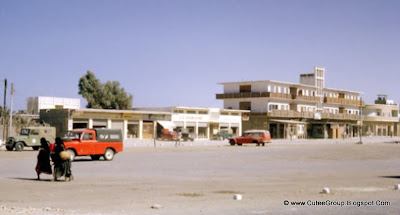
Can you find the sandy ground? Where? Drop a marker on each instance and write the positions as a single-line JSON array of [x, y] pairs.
[[202, 179]]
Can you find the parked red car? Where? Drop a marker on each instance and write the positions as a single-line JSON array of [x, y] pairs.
[[169, 135], [94, 142], [259, 137]]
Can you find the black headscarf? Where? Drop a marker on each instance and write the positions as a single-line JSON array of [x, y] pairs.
[[59, 145], [44, 144]]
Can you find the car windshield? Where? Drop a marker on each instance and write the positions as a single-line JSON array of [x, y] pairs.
[[73, 135], [24, 131]]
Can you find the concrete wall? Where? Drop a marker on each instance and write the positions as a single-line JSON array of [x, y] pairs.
[[57, 118]]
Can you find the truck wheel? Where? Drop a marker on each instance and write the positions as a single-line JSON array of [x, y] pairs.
[[35, 148], [19, 146], [232, 142], [72, 154], [95, 157], [9, 148], [109, 154]]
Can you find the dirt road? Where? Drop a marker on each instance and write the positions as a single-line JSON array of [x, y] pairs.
[[203, 180]]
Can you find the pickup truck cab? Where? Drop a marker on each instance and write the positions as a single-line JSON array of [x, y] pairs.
[[93, 142], [259, 137]]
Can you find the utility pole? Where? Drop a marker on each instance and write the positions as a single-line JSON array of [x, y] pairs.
[[361, 122], [11, 109], [4, 110]]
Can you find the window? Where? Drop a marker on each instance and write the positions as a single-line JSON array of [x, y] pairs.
[[178, 111], [224, 113], [245, 105], [191, 112], [273, 107], [245, 88], [206, 112], [35, 132], [88, 136]]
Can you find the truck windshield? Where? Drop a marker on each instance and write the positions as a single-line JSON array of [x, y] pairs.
[[74, 135], [24, 132]]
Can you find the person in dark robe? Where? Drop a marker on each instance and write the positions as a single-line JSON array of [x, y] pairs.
[[61, 167], [43, 159]]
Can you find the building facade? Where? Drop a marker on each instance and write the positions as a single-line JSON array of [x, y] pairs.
[[381, 118], [146, 123], [291, 110], [35, 104], [204, 123]]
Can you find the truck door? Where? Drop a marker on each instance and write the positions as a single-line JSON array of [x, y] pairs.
[[34, 138], [88, 143]]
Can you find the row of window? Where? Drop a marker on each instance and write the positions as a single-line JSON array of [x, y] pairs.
[[205, 112], [301, 92]]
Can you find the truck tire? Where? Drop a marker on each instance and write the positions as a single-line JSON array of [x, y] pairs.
[[72, 154], [35, 148], [109, 154], [95, 157], [9, 148], [19, 146]]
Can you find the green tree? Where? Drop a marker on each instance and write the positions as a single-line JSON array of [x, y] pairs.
[[104, 96]]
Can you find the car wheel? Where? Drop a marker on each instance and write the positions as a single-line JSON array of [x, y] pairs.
[[9, 148], [19, 146], [239, 144], [109, 154], [72, 154], [95, 157], [232, 142], [35, 148], [263, 144]]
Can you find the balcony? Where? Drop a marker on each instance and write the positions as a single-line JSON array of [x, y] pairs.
[[340, 116], [380, 119], [341, 101], [264, 95], [307, 98], [285, 114]]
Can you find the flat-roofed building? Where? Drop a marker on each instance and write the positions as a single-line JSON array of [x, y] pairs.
[[292, 110], [35, 104], [204, 123], [146, 123], [381, 118]]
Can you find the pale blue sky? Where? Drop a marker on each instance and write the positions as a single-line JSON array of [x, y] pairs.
[[169, 53]]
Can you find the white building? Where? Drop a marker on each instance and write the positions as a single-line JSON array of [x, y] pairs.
[[35, 104], [147, 123], [296, 110], [203, 122]]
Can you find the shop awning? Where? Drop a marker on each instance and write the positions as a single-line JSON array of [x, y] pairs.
[[167, 124], [288, 121]]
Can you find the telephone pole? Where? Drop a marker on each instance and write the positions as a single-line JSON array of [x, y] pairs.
[[11, 109], [4, 110]]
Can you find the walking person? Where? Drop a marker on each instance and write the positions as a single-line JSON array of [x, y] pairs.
[[62, 165], [43, 159]]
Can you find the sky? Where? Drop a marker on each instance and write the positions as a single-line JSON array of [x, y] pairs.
[[175, 52]]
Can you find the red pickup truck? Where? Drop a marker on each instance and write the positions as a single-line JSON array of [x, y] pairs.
[[94, 142]]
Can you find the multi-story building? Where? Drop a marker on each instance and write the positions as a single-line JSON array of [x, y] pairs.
[[291, 110], [381, 118]]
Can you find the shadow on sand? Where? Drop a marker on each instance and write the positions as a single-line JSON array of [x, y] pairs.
[[391, 176], [33, 179]]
